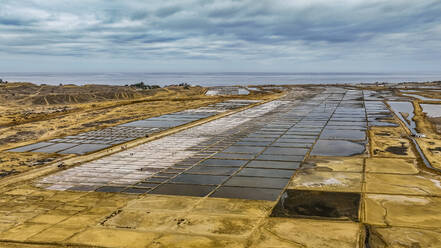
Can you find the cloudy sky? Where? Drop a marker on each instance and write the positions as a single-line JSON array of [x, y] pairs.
[[220, 36]]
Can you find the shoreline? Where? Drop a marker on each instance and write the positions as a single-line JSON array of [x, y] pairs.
[[219, 79]]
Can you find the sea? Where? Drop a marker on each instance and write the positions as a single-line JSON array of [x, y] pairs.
[[217, 79]]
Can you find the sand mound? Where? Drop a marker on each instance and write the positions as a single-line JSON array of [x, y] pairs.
[[27, 93]]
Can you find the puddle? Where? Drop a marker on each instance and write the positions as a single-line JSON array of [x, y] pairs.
[[405, 112], [318, 204], [5, 173], [398, 150], [332, 165], [432, 110], [436, 149], [337, 148]]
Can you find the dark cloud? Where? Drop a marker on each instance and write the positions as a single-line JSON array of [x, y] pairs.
[[299, 31], [13, 22], [167, 11], [139, 15]]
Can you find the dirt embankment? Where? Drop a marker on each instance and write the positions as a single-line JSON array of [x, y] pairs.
[[27, 93], [24, 102], [72, 109], [32, 113]]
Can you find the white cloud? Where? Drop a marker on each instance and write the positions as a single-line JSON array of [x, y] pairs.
[[300, 32]]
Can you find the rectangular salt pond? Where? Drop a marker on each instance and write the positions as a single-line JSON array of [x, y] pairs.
[[432, 110], [420, 97], [406, 108]]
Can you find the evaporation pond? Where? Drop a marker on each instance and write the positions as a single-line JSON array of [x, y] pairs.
[[337, 148], [419, 97], [404, 111], [343, 134], [317, 204], [84, 148], [432, 110]]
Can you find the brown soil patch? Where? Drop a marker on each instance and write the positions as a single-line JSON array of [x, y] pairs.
[[32, 113]]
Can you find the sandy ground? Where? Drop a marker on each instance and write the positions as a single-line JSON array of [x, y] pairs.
[[32, 113], [400, 202]]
